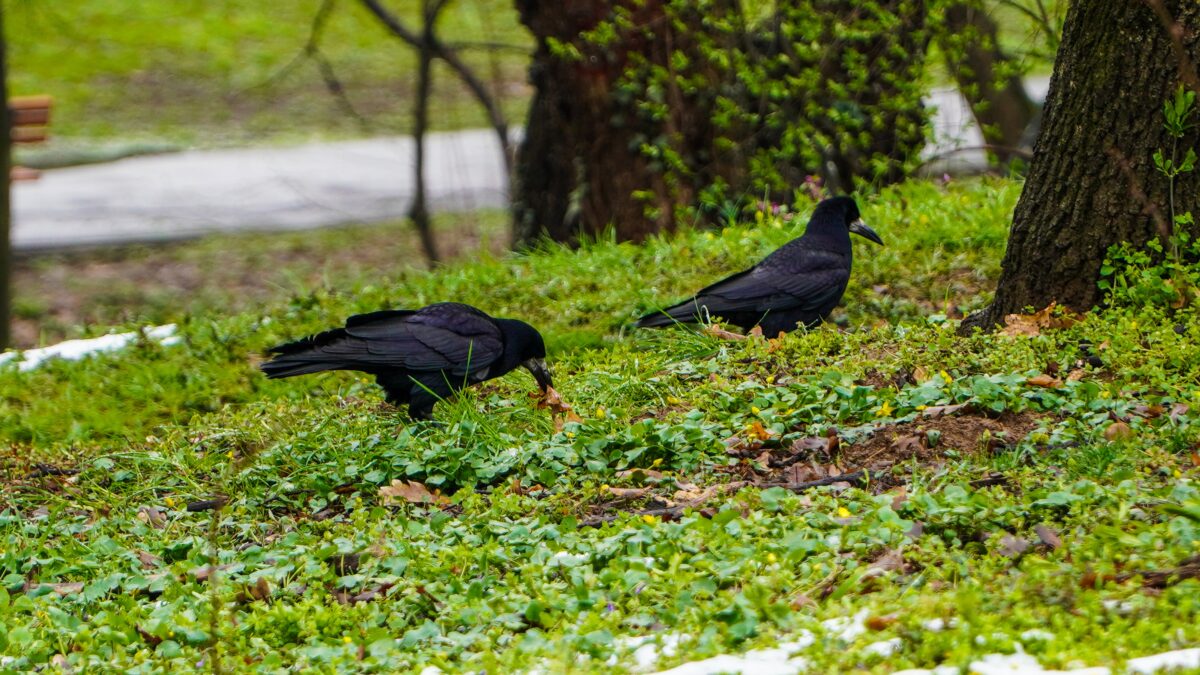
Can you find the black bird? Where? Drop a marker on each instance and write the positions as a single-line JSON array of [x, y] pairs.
[[800, 283], [419, 356]]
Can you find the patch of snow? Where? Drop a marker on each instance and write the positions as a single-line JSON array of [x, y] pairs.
[[884, 647], [778, 661], [1020, 663], [646, 648], [73, 350], [940, 670], [938, 625], [1037, 635], [1180, 658]]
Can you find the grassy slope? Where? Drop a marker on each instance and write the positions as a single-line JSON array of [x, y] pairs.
[[208, 73], [507, 578]]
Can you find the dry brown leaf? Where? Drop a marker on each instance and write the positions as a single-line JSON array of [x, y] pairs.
[[910, 445], [755, 332], [628, 493], [1178, 410], [1118, 431], [756, 430], [203, 572], [920, 375], [1075, 375], [1047, 381], [718, 332], [66, 588], [411, 492], [809, 444], [261, 590], [881, 622], [899, 497], [1048, 536], [149, 560], [1011, 546], [1034, 324], [551, 399], [936, 411], [1148, 411], [892, 560], [152, 517]]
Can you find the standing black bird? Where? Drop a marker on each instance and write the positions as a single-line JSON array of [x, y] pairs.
[[800, 283], [419, 356]]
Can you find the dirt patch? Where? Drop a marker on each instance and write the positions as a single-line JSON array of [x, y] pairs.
[[925, 440]]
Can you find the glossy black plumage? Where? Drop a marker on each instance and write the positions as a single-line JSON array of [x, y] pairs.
[[419, 356], [797, 285]]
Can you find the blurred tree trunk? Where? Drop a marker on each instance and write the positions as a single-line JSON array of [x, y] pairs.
[[1092, 182], [5, 194], [999, 102], [419, 211]]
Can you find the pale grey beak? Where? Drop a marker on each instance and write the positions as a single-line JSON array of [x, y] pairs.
[[860, 228], [537, 367]]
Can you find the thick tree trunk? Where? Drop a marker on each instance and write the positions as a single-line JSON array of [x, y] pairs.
[[1001, 107], [1092, 182]]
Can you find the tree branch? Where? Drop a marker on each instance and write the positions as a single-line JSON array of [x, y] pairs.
[[1187, 69]]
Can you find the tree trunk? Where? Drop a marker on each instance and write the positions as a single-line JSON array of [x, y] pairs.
[[1092, 182], [1001, 106], [419, 211], [5, 194]]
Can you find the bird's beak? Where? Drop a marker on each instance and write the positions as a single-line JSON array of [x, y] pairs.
[[540, 372], [860, 228]]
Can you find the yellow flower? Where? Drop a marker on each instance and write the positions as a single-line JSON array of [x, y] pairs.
[[170, 502], [347, 639], [600, 412], [945, 375], [770, 379], [923, 219], [570, 434], [771, 558], [648, 519], [843, 512], [884, 410], [921, 407], [605, 487], [754, 409], [789, 411], [1133, 324], [709, 236], [229, 454], [1177, 473], [657, 462], [673, 400]]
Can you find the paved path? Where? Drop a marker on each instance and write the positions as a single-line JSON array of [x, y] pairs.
[[186, 194]]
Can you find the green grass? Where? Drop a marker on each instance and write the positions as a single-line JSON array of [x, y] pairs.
[[508, 578], [215, 73]]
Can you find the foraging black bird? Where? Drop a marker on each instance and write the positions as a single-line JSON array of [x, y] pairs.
[[798, 284], [419, 356]]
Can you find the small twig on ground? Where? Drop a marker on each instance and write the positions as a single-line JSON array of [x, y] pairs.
[[40, 470], [674, 512], [1188, 569]]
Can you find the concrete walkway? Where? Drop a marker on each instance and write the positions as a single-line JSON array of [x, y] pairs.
[[187, 194]]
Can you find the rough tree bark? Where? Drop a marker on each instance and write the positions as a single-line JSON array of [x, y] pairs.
[[1092, 182]]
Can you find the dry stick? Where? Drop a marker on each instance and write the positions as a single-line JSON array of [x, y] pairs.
[[1187, 69], [443, 52], [855, 478], [1135, 188]]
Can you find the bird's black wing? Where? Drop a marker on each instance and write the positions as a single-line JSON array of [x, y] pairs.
[[794, 277], [445, 336]]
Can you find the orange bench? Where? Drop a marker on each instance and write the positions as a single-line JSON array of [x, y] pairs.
[[30, 119]]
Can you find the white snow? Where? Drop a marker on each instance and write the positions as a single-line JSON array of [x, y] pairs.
[[73, 350], [1180, 658], [778, 661]]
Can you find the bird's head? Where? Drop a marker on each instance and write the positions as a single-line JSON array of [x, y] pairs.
[[523, 346], [842, 211]]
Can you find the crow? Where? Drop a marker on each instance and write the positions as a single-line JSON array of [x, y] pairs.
[[799, 284], [421, 356]]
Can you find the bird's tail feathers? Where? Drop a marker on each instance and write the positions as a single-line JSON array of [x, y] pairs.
[[684, 312], [304, 356]]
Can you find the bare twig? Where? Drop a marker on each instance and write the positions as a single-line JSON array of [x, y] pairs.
[[1187, 69], [674, 512], [1135, 188], [334, 85], [440, 50]]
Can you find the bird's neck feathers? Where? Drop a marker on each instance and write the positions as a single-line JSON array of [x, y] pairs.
[[827, 235], [521, 342]]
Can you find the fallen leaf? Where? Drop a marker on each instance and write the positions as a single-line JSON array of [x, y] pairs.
[[910, 445], [60, 661], [203, 572], [261, 590], [629, 493], [756, 430], [1011, 546], [1047, 381], [149, 560], [920, 375], [1118, 431], [1075, 375], [152, 517], [718, 332], [1178, 410], [892, 560], [809, 444], [1048, 536], [755, 332], [1034, 324], [899, 497], [1148, 411], [642, 475], [553, 400], [411, 492], [66, 588], [881, 622], [936, 411]]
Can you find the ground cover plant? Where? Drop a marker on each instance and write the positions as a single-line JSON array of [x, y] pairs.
[[879, 492]]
